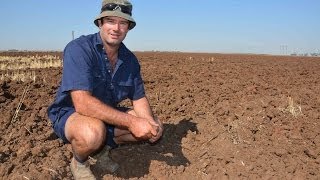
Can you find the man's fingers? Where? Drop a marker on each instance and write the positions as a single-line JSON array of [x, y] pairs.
[[153, 123], [157, 130], [152, 140], [154, 132], [155, 127]]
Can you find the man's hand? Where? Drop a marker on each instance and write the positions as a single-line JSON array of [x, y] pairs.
[[142, 108], [142, 128], [159, 130]]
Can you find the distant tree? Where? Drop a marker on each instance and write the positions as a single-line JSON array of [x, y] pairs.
[[13, 50]]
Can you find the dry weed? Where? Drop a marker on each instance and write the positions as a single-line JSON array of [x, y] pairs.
[[14, 117], [294, 110]]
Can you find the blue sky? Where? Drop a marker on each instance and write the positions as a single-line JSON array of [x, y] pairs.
[[223, 26]]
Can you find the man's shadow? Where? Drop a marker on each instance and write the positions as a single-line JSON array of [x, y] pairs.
[[135, 159]]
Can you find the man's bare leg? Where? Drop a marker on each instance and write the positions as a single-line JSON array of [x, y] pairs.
[[85, 134]]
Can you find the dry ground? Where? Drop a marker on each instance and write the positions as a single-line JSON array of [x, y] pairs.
[[225, 117]]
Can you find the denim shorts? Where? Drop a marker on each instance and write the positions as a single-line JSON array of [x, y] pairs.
[[59, 126]]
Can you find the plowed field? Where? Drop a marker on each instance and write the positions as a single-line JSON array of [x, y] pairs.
[[225, 117]]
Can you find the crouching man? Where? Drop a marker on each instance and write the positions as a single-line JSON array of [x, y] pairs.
[[98, 73]]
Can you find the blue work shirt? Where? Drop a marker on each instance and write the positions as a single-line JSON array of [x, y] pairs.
[[86, 67]]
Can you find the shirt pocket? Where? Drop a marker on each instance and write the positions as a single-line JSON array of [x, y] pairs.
[[124, 89], [100, 87], [99, 78]]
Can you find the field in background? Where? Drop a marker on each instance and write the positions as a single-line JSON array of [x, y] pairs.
[[225, 116], [22, 66]]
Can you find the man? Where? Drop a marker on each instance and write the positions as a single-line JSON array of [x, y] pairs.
[[98, 73]]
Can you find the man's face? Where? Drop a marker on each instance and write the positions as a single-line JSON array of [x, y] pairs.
[[113, 30]]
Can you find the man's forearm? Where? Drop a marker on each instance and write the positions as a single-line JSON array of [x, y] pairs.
[[88, 105], [142, 108]]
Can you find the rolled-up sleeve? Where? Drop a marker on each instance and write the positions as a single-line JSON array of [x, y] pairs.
[[77, 73]]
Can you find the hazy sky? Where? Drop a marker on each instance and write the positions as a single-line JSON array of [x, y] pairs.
[[226, 26]]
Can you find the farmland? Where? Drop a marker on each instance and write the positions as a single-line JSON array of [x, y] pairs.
[[226, 116]]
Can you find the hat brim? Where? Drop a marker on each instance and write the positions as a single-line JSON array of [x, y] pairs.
[[117, 14]]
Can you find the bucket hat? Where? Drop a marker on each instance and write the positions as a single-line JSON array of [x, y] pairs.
[[118, 8]]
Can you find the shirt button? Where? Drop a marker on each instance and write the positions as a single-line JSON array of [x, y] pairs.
[[111, 86]]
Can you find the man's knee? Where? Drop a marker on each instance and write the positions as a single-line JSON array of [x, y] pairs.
[[94, 136], [85, 132]]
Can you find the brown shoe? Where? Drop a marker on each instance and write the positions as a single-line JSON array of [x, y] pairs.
[[104, 162], [81, 171]]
